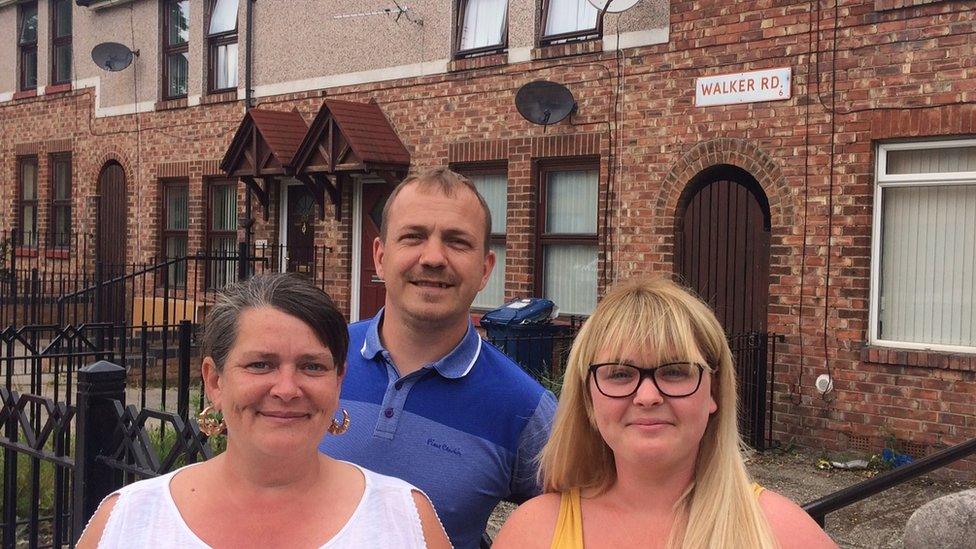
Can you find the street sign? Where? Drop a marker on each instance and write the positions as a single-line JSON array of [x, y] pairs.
[[743, 87]]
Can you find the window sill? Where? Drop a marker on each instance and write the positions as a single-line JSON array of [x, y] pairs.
[[25, 94], [23, 251], [219, 97], [554, 51], [62, 253], [921, 359], [171, 104], [479, 62], [57, 88]]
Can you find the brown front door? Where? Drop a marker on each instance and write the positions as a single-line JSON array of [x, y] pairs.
[[110, 242], [372, 290], [723, 251], [302, 216]]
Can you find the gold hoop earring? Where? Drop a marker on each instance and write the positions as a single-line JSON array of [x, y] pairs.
[[339, 427], [210, 422]]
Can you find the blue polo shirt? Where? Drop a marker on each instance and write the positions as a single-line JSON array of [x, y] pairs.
[[465, 429]]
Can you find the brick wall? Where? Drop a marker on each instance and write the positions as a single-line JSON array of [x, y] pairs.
[[862, 73]]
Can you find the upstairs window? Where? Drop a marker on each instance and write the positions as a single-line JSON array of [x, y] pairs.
[[176, 34], [923, 272], [27, 211], [222, 45], [27, 45], [568, 20], [61, 200], [61, 41], [483, 26]]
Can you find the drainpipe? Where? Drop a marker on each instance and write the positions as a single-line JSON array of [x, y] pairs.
[[248, 61]]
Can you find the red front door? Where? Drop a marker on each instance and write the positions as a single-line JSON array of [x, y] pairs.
[[372, 290]]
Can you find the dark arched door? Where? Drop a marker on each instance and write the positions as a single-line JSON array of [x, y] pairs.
[[723, 254], [723, 246], [110, 241]]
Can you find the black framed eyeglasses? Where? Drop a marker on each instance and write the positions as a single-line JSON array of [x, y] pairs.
[[621, 380]]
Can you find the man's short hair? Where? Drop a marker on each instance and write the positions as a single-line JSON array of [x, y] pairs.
[[447, 183]]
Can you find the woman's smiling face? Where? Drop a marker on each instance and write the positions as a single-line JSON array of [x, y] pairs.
[[648, 426], [279, 387]]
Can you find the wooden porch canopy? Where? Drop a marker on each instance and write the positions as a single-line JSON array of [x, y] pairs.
[[346, 138], [263, 148]]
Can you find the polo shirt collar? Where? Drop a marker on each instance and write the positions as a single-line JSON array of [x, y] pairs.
[[456, 364]]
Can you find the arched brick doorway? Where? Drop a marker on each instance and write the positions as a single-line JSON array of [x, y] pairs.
[[722, 246], [722, 252], [111, 241]]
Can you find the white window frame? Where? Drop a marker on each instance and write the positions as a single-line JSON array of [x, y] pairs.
[[885, 181]]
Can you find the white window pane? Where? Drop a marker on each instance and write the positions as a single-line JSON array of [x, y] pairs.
[[947, 160], [177, 73], [178, 15], [570, 277], [28, 181], [224, 16], [494, 189], [571, 202], [484, 23], [928, 267], [493, 294], [226, 66], [570, 16]]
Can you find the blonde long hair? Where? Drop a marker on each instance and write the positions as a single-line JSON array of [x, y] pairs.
[[720, 508]]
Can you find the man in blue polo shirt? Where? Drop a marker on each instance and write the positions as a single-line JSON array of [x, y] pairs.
[[429, 401]]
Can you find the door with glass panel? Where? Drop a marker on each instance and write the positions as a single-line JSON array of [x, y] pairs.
[[300, 231], [567, 245]]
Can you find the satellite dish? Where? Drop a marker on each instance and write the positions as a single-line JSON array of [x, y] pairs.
[[613, 6], [112, 56], [543, 102]]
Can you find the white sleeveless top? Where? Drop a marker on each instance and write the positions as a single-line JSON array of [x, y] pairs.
[[146, 517]]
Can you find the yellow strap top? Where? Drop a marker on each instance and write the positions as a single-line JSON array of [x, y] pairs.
[[569, 524]]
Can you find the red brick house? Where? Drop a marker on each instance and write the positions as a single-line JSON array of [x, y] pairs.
[[834, 208]]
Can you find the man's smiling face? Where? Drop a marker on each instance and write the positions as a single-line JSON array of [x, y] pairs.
[[433, 257]]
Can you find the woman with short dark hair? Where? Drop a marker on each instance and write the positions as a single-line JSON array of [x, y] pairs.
[[274, 357]]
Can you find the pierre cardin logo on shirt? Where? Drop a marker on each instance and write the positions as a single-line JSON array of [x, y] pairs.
[[443, 446]]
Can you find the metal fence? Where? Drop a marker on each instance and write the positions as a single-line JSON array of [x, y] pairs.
[[66, 284], [69, 438]]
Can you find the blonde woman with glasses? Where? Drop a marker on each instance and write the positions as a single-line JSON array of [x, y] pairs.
[[645, 451]]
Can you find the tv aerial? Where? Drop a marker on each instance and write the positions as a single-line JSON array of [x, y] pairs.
[[543, 102], [397, 12], [112, 56], [613, 6]]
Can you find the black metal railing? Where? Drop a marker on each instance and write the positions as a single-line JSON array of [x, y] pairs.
[[66, 284], [754, 354], [819, 509], [61, 456]]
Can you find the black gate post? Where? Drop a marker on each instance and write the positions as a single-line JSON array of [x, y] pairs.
[[183, 379], [96, 427], [242, 261]]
